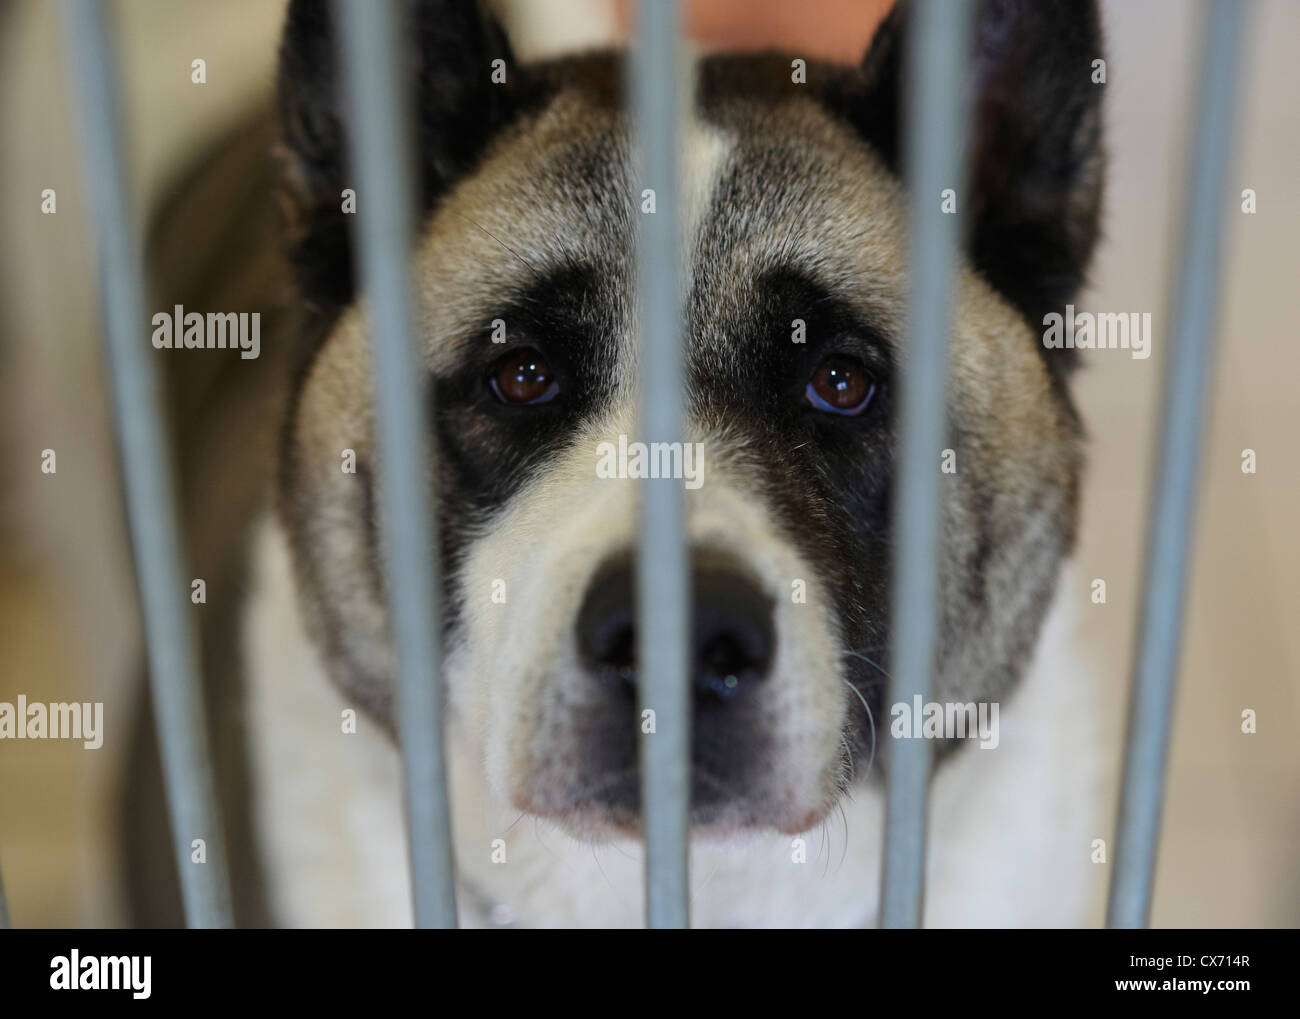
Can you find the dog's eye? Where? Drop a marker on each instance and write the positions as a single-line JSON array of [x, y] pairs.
[[524, 377], [841, 385]]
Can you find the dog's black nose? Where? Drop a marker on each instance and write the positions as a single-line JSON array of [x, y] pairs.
[[731, 626]]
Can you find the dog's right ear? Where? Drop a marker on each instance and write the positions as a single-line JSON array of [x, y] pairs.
[[465, 84]]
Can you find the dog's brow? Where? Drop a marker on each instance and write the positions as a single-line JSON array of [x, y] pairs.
[[537, 274], [853, 291]]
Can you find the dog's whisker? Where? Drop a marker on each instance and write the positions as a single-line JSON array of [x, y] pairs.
[[871, 719], [513, 823], [859, 655], [538, 836], [596, 858], [537, 273], [848, 757], [844, 820]]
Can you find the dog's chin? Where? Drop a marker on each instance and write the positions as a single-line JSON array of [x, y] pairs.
[[600, 824]]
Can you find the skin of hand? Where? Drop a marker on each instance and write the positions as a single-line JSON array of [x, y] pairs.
[[838, 30]]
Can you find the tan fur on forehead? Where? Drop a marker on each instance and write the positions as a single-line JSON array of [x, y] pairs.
[[818, 199], [521, 215], [555, 191]]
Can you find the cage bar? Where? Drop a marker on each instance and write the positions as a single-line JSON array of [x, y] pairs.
[[663, 595], [934, 156], [1193, 322], [146, 456], [381, 147]]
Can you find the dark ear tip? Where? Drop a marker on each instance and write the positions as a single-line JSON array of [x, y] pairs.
[[883, 49], [1074, 22], [994, 19], [447, 47], [307, 24]]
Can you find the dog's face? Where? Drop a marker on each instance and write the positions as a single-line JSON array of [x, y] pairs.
[[794, 240]]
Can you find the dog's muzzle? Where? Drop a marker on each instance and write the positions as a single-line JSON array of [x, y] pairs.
[[732, 647]]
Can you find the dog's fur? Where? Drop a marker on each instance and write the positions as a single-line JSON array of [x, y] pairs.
[[794, 210]]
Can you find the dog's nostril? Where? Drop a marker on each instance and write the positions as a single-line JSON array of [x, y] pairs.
[[613, 651], [723, 667], [732, 635], [607, 623]]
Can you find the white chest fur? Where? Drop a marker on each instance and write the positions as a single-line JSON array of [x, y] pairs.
[[1010, 828]]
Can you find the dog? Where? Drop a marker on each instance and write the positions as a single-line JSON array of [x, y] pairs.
[[794, 238]]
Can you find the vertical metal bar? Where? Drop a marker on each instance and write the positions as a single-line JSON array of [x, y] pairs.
[[1193, 321], [150, 489], [4, 908], [663, 596], [382, 154], [935, 118]]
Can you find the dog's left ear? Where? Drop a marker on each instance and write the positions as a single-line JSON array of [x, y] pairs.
[[1033, 196]]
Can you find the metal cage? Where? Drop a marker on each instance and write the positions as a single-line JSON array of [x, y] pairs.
[[382, 153]]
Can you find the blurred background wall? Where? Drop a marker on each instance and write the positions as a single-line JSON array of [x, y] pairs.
[[68, 622]]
